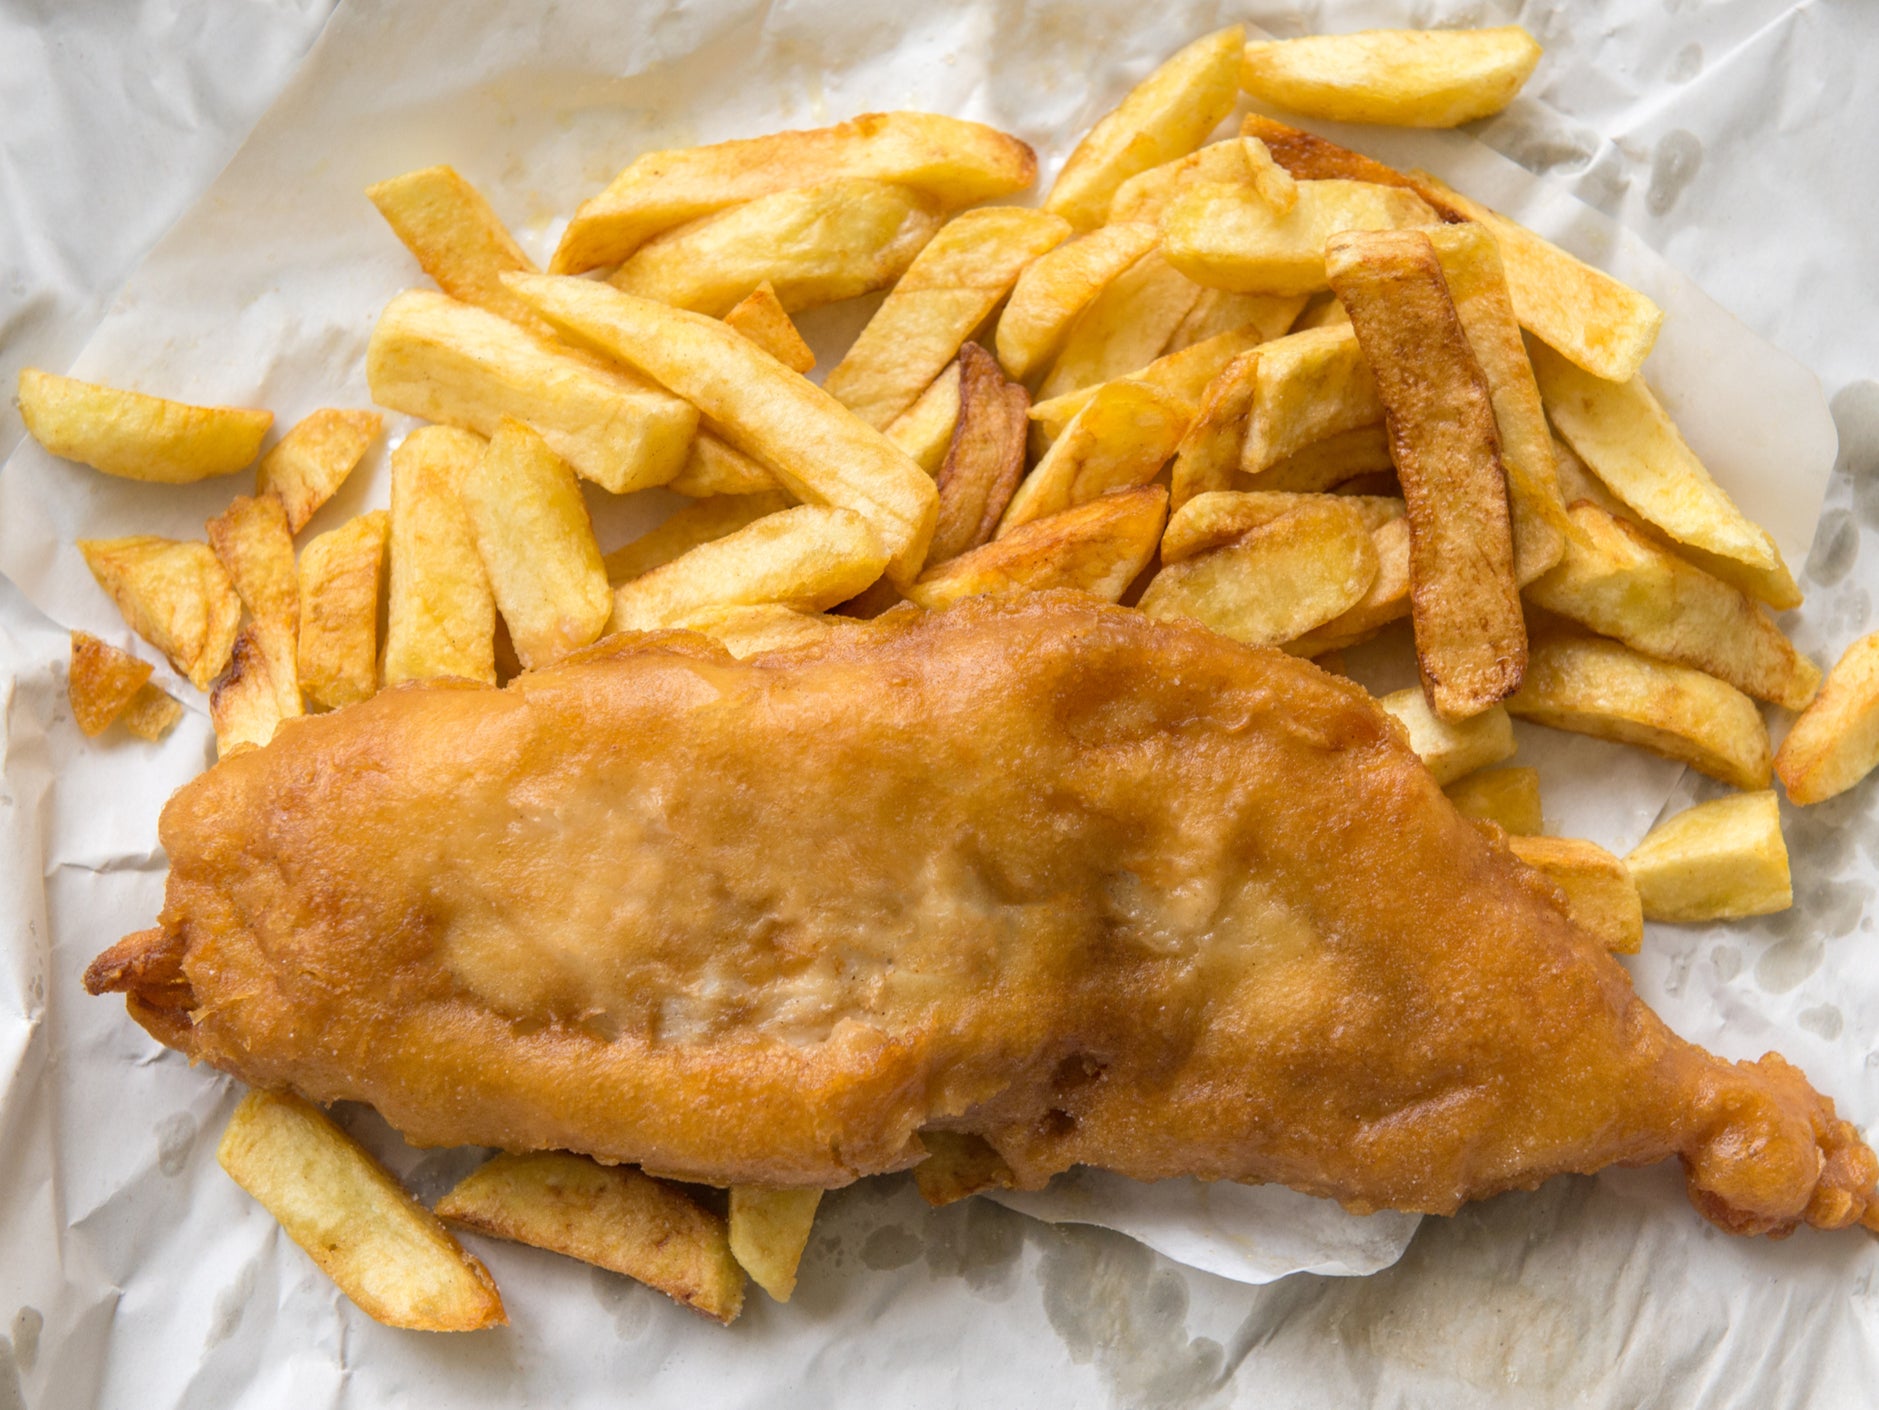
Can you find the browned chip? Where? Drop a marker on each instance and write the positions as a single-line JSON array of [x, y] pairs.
[[1209, 452], [985, 459], [102, 683], [1099, 547], [153, 713], [761, 317], [313, 459], [1309, 157], [1471, 639], [957, 1165]]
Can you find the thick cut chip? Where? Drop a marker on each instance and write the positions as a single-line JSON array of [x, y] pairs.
[[1601, 898], [537, 545], [384, 1249], [1595, 322], [761, 317], [442, 617], [957, 1165], [1509, 798], [948, 291], [1403, 77], [1720, 860], [1835, 742], [252, 539], [1182, 376], [611, 1216], [1471, 266], [925, 429], [1209, 452], [714, 468], [1057, 287], [1216, 311], [957, 162], [690, 526], [1386, 601], [1217, 518], [458, 240], [810, 557], [815, 245], [102, 682], [1125, 327], [246, 705], [1229, 237], [1603, 688], [136, 436], [1623, 436], [1166, 115], [1617, 581], [176, 596], [1326, 463], [759, 627], [1276, 186], [985, 458], [769, 1230], [1144, 196], [1451, 748], [1121, 439], [1099, 547], [309, 464], [1305, 156], [819, 451], [1471, 637], [1276, 581], [462, 366], [340, 576], [153, 713], [1311, 386]]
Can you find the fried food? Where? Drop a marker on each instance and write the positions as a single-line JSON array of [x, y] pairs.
[[176, 596], [341, 576], [1099, 547], [102, 682], [1230, 237], [769, 1230], [1095, 889], [1601, 897], [1450, 749], [307, 466], [1508, 798], [1835, 742], [255, 544], [458, 240], [1125, 327], [1717, 861], [761, 317], [441, 617], [1405, 77], [136, 436], [984, 459], [1119, 440]]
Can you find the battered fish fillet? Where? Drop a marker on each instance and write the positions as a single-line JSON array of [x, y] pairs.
[[1097, 889]]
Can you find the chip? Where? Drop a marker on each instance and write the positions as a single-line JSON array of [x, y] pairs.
[[176, 596], [1720, 860], [135, 436]]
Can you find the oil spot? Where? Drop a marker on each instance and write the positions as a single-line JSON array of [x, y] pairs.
[[11, 1396], [1823, 1019], [1836, 546], [1115, 1305], [1539, 141], [978, 1241], [1727, 962], [1673, 166], [230, 1303], [439, 1172], [1856, 417], [628, 1303], [1851, 611], [1784, 965], [890, 1246], [1685, 64], [28, 1323], [176, 1137]]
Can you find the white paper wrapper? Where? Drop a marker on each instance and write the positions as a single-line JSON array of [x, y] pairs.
[[141, 1274]]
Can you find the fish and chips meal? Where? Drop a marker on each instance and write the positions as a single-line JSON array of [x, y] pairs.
[[966, 780]]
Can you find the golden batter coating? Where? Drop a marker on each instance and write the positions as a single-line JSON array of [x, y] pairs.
[[1098, 889]]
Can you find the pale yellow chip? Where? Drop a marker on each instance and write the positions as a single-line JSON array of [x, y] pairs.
[[176, 596], [1601, 898], [688, 527], [761, 317], [769, 1229], [1119, 440], [611, 1216], [948, 291], [1144, 196], [136, 436], [1451, 748], [461, 366], [1057, 287], [925, 429], [1217, 311], [102, 682], [253, 541], [1720, 860], [1208, 455], [537, 545], [1603, 326], [814, 244], [1181, 375], [1326, 463], [957, 162], [246, 705], [713, 467], [820, 452], [1230, 237], [1099, 547], [1165, 116], [1617, 581], [1276, 581], [384, 1249], [341, 572], [1386, 600], [1310, 386], [751, 629], [152, 713], [810, 557], [1218, 517], [309, 464], [1509, 798], [1602, 688], [1403, 77], [458, 240], [1835, 742], [1623, 436], [1124, 328], [441, 618]]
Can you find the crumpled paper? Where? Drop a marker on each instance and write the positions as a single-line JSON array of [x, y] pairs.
[[144, 1272]]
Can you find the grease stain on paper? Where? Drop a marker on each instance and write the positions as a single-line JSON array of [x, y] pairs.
[[176, 1137], [28, 1323], [1674, 165], [230, 1303], [1823, 1020]]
